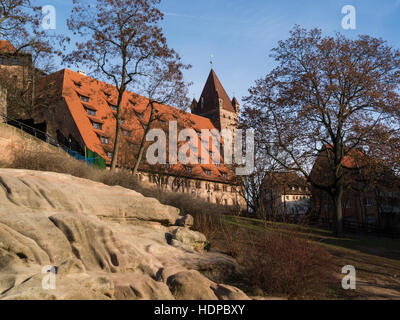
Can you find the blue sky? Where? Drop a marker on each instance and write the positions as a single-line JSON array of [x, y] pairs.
[[241, 33]]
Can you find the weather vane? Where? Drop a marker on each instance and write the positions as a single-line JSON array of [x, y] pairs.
[[211, 60]]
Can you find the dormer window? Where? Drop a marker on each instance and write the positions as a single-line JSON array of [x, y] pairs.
[[84, 98], [207, 172], [97, 125], [105, 140], [91, 112], [225, 175], [109, 155], [78, 85], [107, 95], [122, 121], [133, 103], [126, 133], [113, 107]]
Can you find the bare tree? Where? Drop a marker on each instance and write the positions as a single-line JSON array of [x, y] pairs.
[[119, 36], [327, 94], [162, 83]]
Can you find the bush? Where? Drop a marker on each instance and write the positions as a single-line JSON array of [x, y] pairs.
[[284, 264]]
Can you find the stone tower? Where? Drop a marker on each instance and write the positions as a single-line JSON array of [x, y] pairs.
[[15, 77], [215, 104]]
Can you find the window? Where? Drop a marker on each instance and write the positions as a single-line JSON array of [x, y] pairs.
[[105, 140], [216, 187], [15, 61], [202, 161], [198, 185], [225, 175], [133, 103], [226, 202], [368, 202], [167, 166], [218, 165], [97, 125], [91, 112], [233, 190], [189, 169], [225, 188], [127, 133], [84, 98], [208, 172], [78, 85], [123, 121], [107, 95], [113, 107], [109, 155]]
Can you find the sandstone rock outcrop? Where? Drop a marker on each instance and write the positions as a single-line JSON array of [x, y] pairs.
[[103, 243]]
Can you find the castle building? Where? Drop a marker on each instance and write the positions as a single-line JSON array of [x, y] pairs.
[[79, 111], [15, 67]]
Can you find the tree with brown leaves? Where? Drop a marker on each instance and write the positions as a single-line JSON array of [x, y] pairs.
[[327, 94]]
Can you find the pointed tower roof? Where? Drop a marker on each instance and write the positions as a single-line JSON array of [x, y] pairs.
[[212, 92]]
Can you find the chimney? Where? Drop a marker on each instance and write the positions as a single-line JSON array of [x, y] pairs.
[[82, 72]]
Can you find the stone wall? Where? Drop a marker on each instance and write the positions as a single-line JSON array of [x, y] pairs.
[[13, 140]]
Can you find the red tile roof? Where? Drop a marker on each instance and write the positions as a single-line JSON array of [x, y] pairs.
[[72, 86], [212, 92], [353, 159], [6, 47]]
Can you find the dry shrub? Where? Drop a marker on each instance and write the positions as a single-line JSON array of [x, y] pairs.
[[62, 163], [284, 264], [207, 216]]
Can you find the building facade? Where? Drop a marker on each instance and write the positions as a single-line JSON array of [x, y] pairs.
[[371, 196], [15, 76], [286, 194]]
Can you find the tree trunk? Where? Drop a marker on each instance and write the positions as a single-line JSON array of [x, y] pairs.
[[141, 148], [337, 199], [117, 130]]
